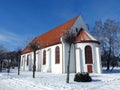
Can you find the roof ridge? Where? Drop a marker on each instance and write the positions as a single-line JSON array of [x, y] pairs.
[[58, 26], [53, 35]]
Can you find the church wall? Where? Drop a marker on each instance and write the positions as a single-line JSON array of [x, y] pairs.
[[72, 58], [24, 66], [79, 24], [50, 65], [77, 62], [80, 57]]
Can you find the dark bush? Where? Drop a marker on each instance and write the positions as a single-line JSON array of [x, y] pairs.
[[82, 77], [77, 77]]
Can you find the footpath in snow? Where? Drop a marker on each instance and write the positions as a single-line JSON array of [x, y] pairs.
[[48, 81]]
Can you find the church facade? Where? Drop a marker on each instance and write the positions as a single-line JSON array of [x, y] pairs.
[[53, 54]]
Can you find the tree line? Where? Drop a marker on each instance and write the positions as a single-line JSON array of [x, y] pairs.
[[108, 34], [9, 59]]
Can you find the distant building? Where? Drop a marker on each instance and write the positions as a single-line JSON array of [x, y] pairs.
[[53, 55]]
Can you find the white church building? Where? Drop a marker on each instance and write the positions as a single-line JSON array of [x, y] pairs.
[[53, 55]]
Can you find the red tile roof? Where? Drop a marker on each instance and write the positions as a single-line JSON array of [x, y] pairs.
[[83, 36], [53, 36]]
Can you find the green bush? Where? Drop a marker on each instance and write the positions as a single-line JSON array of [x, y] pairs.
[[82, 77]]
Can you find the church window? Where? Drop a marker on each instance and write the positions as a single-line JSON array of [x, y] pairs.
[[57, 55], [88, 55], [27, 60], [44, 57]]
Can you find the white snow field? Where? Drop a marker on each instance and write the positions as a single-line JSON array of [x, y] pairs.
[[48, 81]]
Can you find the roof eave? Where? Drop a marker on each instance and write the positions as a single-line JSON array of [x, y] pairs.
[[88, 41]]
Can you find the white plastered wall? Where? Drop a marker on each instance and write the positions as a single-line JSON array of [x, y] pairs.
[[24, 66], [98, 56], [80, 23], [65, 58], [80, 57], [50, 65]]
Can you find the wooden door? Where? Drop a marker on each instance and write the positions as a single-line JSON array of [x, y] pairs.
[[89, 67]]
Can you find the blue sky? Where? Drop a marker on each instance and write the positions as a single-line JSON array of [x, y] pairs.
[[22, 20]]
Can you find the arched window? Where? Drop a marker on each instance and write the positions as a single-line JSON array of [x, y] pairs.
[[57, 55], [27, 60], [44, 57], [88, 55]]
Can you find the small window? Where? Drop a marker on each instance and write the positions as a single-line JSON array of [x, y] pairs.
[[88, 55], [57, 55], [27, 60], [44, 57]]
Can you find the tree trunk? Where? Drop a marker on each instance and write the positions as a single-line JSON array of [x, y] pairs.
[[8, 66], [34, 65], [1, 66], [68, 65], [108, 64], [109, 59], [18, 64]]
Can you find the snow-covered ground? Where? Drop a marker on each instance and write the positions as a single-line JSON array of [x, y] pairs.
[[48, 81]]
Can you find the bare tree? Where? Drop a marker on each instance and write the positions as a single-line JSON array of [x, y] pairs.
[[3, 50], [107, 34], [114, 62], [10, 56], [34, 46], [69, 39], [18, 53], [1, 61]]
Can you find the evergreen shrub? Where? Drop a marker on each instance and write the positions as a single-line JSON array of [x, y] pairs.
[[82, 77]]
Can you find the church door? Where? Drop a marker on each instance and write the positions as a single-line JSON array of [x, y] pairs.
[[89, 68]]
